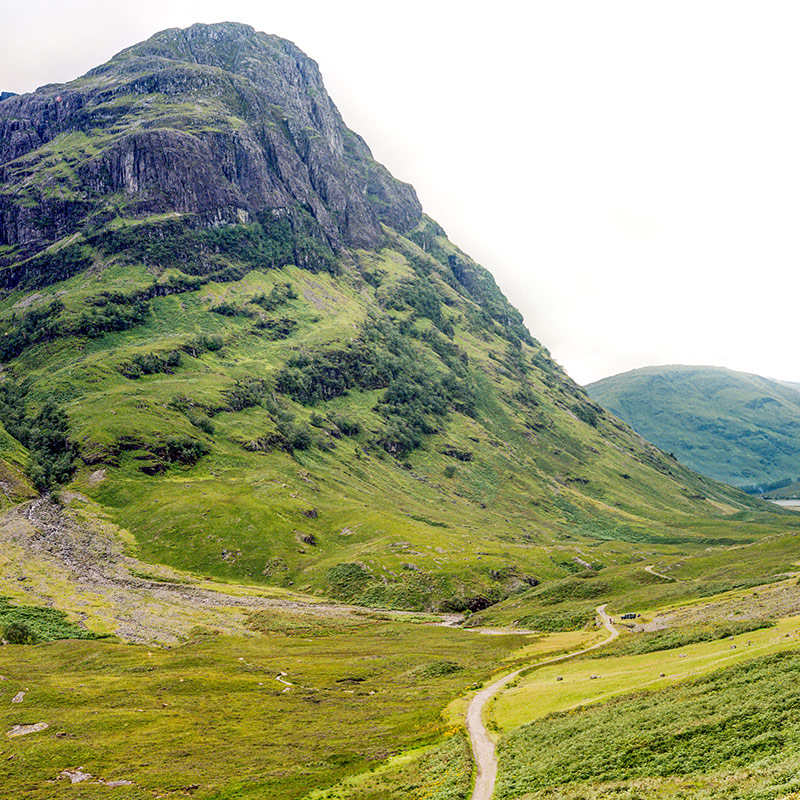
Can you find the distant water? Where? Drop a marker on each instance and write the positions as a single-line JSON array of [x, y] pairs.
[[787, 503]]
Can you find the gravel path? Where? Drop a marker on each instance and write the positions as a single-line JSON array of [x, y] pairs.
[[649, 568], [483, 748]]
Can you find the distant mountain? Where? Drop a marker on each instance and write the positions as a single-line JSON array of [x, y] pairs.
[[733, 426], [6, 95]]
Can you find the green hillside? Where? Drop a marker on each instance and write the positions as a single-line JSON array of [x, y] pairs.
[[277, 377], [733, 426], [273, 448]]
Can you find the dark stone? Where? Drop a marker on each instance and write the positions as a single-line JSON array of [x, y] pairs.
[[216, 121]]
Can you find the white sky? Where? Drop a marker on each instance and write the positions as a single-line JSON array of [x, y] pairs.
[[629, 170]]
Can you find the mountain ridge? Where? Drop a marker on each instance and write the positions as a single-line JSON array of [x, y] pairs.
[[265, 137], [735, 426]]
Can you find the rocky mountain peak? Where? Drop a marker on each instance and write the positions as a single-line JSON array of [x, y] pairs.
[[216, 122]]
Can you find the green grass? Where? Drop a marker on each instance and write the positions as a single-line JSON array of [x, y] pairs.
[[441, 772], [212, 712], [538, 693], [729, 734], [669, 639], [44, 624], [468, 539]]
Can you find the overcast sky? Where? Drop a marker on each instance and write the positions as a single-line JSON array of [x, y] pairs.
[[628, 171]]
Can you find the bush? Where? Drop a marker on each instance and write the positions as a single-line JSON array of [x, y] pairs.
[[203, 423], [246, 394], [181, 450], [29, 624], [276, 329], [279, 295], [346, 426], [438, 669], [348, 581], [45, 434], [151, 364], [18, 633], [418, 396], [231, 310]]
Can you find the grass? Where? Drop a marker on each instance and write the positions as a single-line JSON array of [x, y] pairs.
[[212, 713], [728, 734], [669, 639], [44, 624], [439, 772], [538, 694], [425, 540]]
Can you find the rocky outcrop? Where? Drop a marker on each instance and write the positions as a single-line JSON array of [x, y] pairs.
[[217, 121]]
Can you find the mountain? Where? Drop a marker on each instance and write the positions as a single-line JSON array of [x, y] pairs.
[[733, 426], [234, 337]]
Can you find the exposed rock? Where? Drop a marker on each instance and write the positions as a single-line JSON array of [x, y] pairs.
[[75, 775], [24, 730], [215, 121]]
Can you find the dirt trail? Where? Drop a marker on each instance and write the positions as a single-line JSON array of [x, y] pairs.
[[483, 748], [649, 568]]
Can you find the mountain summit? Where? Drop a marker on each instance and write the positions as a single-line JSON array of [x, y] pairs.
[[249, 348], [217, 121]]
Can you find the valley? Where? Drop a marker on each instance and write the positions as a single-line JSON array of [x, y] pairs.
[[293, 503]]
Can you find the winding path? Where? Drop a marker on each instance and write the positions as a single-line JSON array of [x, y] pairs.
[[483, 748], [649, 568]]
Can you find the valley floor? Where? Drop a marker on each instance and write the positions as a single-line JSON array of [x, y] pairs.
[[216, 690]]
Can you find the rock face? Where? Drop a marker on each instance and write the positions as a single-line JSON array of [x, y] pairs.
[[215, 121]]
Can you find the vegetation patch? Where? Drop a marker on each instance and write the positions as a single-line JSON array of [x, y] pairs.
[[418, 396], [567, 619], [670, 638], [151, 364], [570, 589], [45, 433], [731, 720], [32, 624], [437, 669]]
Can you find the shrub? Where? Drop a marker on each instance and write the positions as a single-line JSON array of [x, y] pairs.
[[348, 581], [181, 450], [438, 669], [203, 423], [346, 426], [278, 296], [45, 434], [18, 633], [151, 364], [245, 394]]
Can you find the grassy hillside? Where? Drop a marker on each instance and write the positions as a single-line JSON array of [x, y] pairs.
[[250, 395], [265, 364], [739, 428], [375, 434]]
